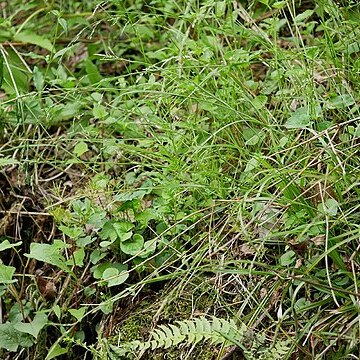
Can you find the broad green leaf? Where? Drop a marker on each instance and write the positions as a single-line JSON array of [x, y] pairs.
[[303, 16], [145, 216], [254, 139], [252, 136], [105, 244], [323, 125], [330, 207], [31, 38], [341, 101], [38, 79], [79, 336], [17, 313], [63, 23], [259, 102], [99, 269], [89, 291], [149, 249], [57, 311], [114, 277], [92, 73], [279, 4], [132, 246], [98, 98], [97, 255], [123, 227], [288, 258], [100, 181], [353, 47], [134, 205], [125, 236], [11, 339], [6, 274], [252, 164], [356, 132], [73, 232], [77, 258], [6, 244], [33, 328], [84, 241], [69, 111], [5, 35], [55, 351], [50, 254], [300, 119], [16, 74], [80, 148], [64, 51], [98, 219], [113, 230], [108, 232], [99, 111], [107, 307], [78, 314], [137, 194], [283, 141], [301, 303]]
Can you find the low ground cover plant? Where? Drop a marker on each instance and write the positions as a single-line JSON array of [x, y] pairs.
[[179, 179]]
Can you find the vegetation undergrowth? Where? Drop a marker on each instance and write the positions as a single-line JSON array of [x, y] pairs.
[[179, 179]]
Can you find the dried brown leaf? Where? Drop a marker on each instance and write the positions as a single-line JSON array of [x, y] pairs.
[[318, 240]]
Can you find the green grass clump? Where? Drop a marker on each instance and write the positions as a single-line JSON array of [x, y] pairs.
[[152, 147]]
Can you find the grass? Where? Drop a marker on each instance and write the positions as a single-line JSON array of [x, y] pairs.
[[167, 161]]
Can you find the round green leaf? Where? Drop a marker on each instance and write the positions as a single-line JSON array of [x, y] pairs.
[[132, 246], [288, 258], [80, 148], [300, 119], [149, 249], [114, 277]]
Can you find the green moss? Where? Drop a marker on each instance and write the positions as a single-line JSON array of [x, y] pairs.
[[193, 299], [136, 326], [201, 351]]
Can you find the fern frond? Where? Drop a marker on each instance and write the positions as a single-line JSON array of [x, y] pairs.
[[277, 351], [215, 330], [189, 331]]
